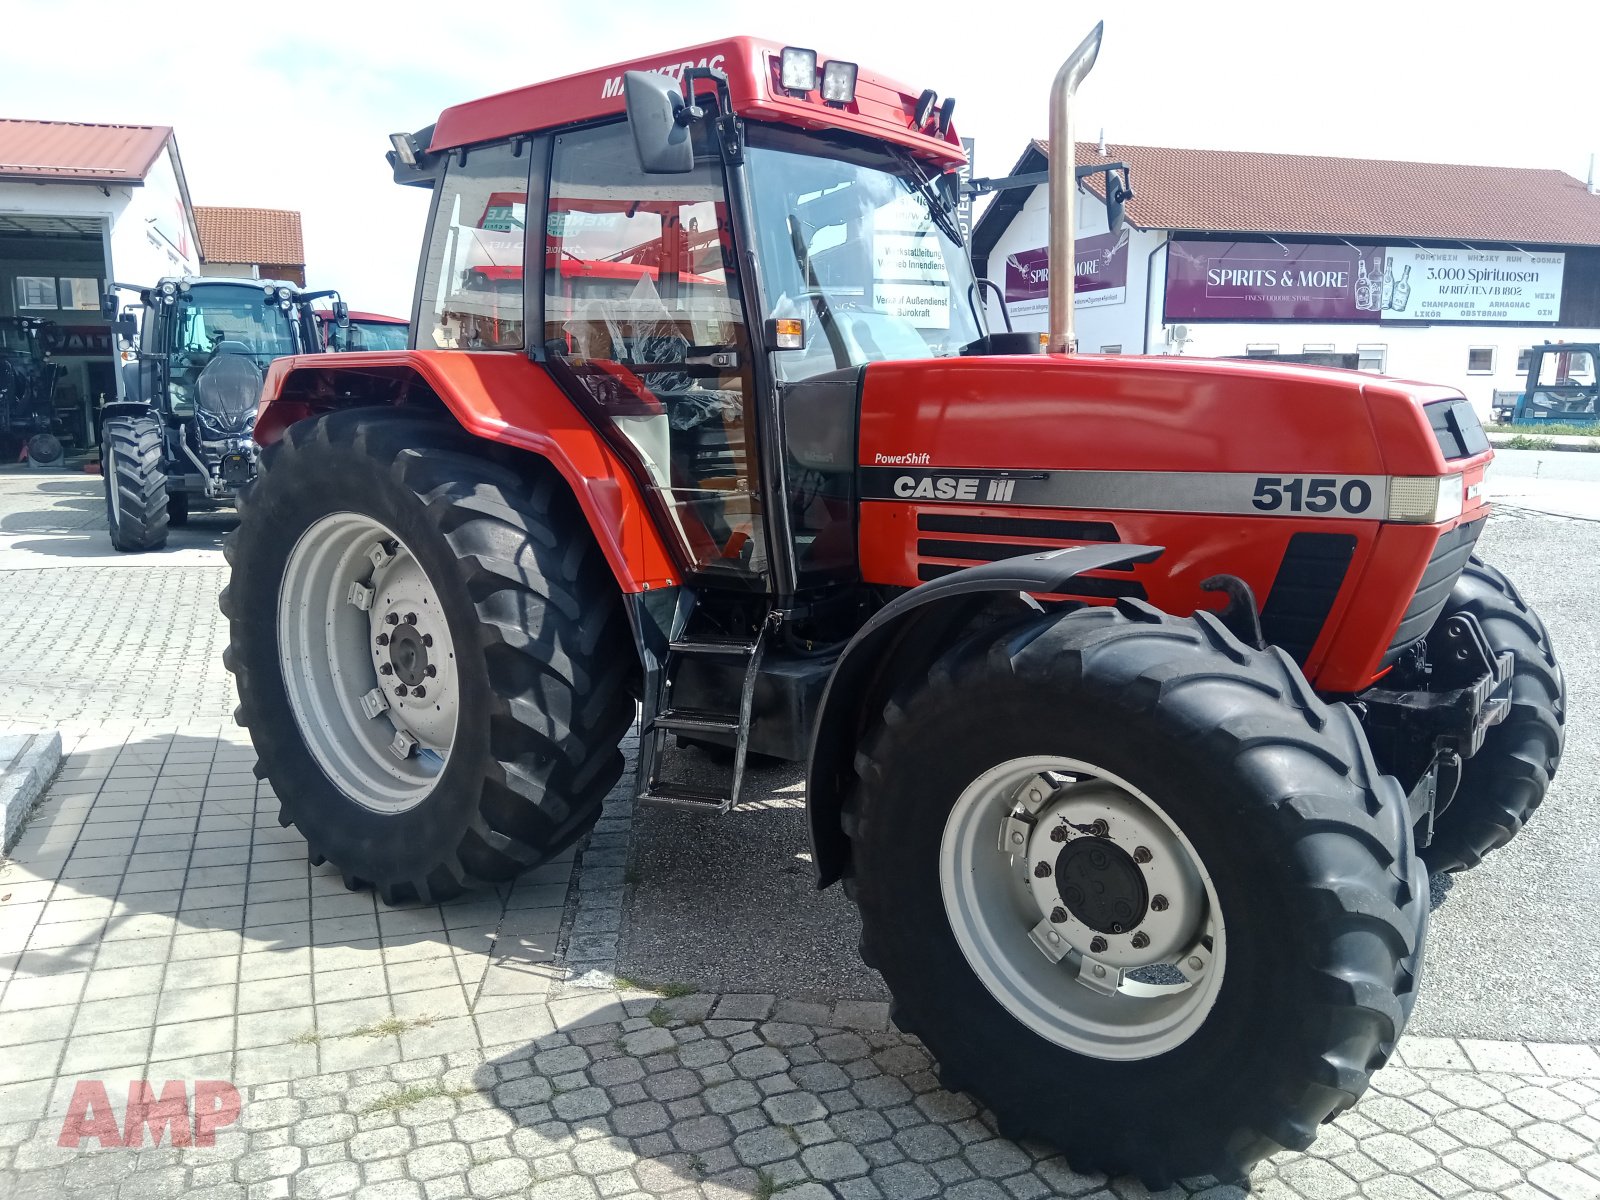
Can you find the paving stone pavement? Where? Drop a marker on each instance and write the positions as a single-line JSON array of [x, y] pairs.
[[633, 1095], [157, 924]]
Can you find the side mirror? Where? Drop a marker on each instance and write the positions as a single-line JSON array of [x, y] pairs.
[[341, 314], [108, 306], [660, 121], [1118, 193], [127, 326]]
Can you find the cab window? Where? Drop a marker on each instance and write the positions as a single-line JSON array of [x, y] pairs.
[[472, 277], [643, 322]]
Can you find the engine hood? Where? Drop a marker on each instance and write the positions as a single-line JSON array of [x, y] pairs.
[[1148, 414]]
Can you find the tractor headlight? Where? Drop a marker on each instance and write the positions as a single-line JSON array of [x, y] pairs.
[[839, 82], [168, 288], [1425, 501], [799, 69]]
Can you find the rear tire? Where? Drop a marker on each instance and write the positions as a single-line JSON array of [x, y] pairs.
[[528, 633], [1316, 899], [135, 482], [177, 508], [1505, 781]]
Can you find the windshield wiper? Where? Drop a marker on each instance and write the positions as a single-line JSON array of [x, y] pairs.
[[938, 206]]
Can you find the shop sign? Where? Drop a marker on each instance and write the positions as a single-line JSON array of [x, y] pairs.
[[1264, 281], [1100, 275], [81, 341], [1301, 281], [1480, 286]]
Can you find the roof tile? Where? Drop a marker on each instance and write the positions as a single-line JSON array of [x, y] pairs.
[[264, 236], [73, 152], [1246, 192]]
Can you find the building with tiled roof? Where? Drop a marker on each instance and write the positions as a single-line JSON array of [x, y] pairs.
[[256, 243], [1443, 272], [84, 207]]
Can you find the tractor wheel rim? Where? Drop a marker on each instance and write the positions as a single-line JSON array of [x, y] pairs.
[[368, 663], [1082, 907]]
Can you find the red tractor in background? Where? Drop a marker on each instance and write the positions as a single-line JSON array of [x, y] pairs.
[[1135, 692]]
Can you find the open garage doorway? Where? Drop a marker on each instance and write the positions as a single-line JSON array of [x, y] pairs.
[[58, 359]]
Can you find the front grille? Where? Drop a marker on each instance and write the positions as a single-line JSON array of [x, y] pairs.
[[1308, 582], [1043, 534], [1449, 556], [1455, 427]]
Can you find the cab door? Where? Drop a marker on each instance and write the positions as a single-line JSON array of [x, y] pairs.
[[644, 324]]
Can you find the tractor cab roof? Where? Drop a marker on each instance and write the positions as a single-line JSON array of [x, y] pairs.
[[882, 109]]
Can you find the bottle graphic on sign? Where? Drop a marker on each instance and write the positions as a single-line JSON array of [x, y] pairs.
[[1402, 291], [1386, 285], [1363, 288]]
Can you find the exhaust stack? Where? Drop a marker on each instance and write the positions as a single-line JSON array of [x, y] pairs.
[[1064, 190]]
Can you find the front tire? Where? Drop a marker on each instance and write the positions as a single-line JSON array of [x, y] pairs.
[[1274, 977], [135, 482], [383, 566], [1506, 780]]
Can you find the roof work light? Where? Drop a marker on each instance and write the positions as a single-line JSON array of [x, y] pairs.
[[839, 82], [405, 148], [799, 69]]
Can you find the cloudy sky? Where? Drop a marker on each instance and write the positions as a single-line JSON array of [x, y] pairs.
[[268, 114]]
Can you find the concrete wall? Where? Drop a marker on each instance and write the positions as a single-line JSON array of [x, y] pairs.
[[1433, 353]]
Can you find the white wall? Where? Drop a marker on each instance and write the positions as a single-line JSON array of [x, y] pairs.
[[155, 234], [1432, 354], [1120, 324]]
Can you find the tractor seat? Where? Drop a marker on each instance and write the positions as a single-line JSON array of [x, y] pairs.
[[231, 347]]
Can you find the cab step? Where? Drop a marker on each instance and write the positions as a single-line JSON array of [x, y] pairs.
[[687, 722], [687, 798]]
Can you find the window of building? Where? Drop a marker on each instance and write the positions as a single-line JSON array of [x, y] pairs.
[[1480, 360], [1262, 349], [1372, 358], [1524, 357], [80, 295], [37, 291], [472, 280], [1319, 348], [1117, 349]]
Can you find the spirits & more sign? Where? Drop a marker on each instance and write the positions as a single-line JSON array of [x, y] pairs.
[[1301, 281]]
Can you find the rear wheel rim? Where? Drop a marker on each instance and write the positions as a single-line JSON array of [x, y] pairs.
[[1122, 960], [361, 631]]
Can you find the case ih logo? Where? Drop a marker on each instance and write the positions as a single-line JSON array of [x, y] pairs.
[[613, 87], [89, 1114]]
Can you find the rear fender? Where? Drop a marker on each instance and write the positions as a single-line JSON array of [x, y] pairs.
[[902, 640], [503, 398]]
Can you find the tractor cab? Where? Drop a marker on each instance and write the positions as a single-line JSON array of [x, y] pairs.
[[1562, 388], [203, 348], [696, 306]]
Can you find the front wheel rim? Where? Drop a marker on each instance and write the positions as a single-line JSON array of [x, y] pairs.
[[368, 663], [1082, 907]]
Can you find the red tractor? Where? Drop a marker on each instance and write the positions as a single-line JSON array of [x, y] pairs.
[[1136, 693]]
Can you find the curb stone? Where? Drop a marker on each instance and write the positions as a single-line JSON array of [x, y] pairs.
[[28, 762]]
